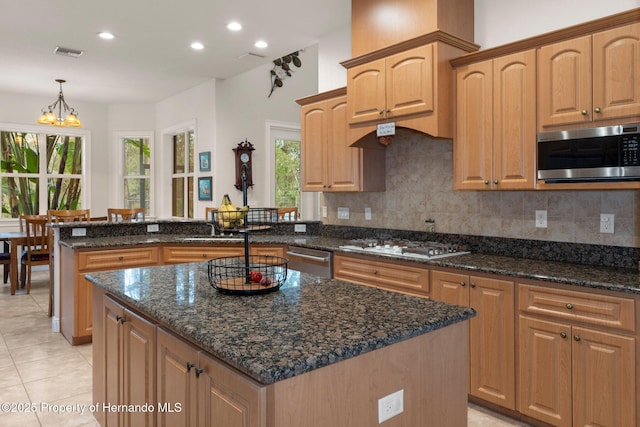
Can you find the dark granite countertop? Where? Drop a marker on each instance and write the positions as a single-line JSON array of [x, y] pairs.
[[609, 278], [307, 324]]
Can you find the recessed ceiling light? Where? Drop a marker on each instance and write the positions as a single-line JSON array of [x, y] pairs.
[[106, 35], [261, 44], [197, 46], [234, 26]]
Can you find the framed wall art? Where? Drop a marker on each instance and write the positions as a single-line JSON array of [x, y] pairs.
[[205, 161], [204, 188]]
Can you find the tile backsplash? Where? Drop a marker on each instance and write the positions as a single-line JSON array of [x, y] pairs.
[[419, 186]]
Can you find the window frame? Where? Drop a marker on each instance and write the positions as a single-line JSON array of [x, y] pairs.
[[119, 193], [43, 176], [192, 195]]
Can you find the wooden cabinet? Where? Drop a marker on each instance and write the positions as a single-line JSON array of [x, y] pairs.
[[410, 278], [175, 254], [408, 84], [205, 392], [124, 360], [577, 357], [329, 164], [391, 87], [75, 307], [494, 146], [491, 332], [591, 78]]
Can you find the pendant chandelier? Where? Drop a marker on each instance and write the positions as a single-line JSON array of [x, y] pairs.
[[49, 116]]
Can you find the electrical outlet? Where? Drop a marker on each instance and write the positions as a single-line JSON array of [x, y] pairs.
[[390, 406], [367, 214], [343, 213], [541, 219], [153, 228], [300, 228], [324, 212], [78, 232], [607, 223]]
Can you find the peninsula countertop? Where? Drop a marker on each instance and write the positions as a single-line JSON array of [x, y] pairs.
[[307, 324], [606, 278]]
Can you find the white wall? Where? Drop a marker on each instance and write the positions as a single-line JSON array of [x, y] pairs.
[[332, 50], [499, 22], [243, 107]]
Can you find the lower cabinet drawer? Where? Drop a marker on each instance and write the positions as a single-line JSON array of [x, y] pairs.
[[594, 309], [116, 259], [388, 275], [180, 254]]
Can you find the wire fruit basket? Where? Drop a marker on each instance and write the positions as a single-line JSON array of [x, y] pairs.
[[250, 218], [253, 274]]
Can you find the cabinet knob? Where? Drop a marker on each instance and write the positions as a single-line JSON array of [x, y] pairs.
[[198, 372], [584, 112], [486, 181], [204, 255], [381, 112], [473, 285], [563, 334], [120, 258], [463, 283], [190, 366], [597, 110], [569, 306], [375, 271], [576, 337], [495, 181]]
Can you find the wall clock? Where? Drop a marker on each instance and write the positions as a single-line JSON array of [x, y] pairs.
[[243, 163]]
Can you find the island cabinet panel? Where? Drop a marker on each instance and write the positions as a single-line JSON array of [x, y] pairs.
[[491, 332], [430, 369], [577, 357], [75, 302], [209, 394], [590, 79], [398, 276], [124, 365]]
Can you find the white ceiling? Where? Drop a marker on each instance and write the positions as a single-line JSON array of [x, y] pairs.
[[150, 59]]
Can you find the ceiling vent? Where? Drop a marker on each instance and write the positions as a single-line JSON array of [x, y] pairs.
[[251, 55], [65, 51]]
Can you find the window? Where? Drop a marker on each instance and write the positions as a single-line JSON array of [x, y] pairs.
[[32, 183], [136, 172], [287, 166], [182, 191]]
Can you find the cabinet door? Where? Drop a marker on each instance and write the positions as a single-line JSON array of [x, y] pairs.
[[314, 141], [342, 161], [472, 147], [409, 82], [450, 287], [138, 368], [226, 399], [616, 73], [544, 373], [175, 382], [604, 372], [491, 341], [564, 83], [366, 95], [111, 343], [514, 121]]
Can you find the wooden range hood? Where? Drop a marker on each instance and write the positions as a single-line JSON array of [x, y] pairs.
[[400, 70]]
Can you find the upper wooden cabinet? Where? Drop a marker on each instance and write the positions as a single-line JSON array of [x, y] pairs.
[[494, 146], [590, 78], [376, 24], [329, 164]]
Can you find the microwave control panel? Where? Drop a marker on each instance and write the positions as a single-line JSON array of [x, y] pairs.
[[630, 147]]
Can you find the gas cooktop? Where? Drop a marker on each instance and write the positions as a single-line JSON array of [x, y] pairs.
[[404, 248]]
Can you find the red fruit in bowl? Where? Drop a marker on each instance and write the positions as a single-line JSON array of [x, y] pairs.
[[255, 276], [265, 281]]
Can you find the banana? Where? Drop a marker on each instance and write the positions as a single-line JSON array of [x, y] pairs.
[[229, 216]]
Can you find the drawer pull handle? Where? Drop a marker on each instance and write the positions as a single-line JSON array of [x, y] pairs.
[[576, 337], [189, 366], [463, 283], [120, 319], [120, 258], [563, 334], [204, 255], [198, 372], [569, 306], [375, 271]]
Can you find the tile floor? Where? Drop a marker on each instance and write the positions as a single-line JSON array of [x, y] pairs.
[[40, 371]]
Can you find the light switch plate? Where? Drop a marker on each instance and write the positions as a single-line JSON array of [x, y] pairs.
[[343, 213], [541, 219], [324, 212], [367, 214]]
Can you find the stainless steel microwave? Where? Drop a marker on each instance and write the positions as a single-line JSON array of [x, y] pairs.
[[608, 153]]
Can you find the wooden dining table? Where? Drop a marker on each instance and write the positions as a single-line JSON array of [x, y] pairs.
[[15, 239]]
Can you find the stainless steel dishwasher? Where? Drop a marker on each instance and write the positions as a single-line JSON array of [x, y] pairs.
[[312, 261]]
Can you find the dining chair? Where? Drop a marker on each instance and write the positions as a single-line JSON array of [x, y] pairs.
[[287, 214], [125, 214], [208, 213], [5, 259], [37, 248]]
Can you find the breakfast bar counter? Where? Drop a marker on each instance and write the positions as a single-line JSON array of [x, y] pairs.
[[308, 340]]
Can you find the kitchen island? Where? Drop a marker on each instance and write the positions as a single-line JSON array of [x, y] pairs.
[[318, 352]]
